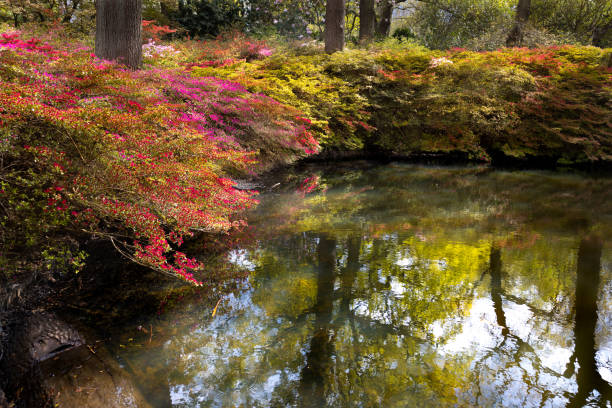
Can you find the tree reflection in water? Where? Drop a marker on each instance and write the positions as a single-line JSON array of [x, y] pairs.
[[587, 376], [587, 291], [408, 286], [319, 357]]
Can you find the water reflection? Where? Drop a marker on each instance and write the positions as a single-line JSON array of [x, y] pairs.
[[587, 288], [406, 286], [319, 356], [495, 266]]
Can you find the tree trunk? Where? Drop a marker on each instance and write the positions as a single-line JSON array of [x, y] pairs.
[[599, 34], [118, 26], [384, 24], [334, 26], [367, 20], [515, 37]]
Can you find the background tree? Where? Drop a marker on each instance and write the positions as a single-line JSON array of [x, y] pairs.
[[515, 37], [206, 18], [74, 13], [163, 12], [438, 24], [334, 25], [22, 11], [457, 23], [588, 21], [600, 33], [118, 31], [367, 19], [383, 27], [351, 20]]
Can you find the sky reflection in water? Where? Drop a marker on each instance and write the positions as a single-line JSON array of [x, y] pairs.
[[403, 286]]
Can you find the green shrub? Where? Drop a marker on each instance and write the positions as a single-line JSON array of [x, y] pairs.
[[552, 103]]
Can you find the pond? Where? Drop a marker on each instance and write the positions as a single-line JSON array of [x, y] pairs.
[[400, 286]]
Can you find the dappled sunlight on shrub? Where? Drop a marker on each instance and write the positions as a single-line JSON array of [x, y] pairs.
[[551, 103], [138, 158]]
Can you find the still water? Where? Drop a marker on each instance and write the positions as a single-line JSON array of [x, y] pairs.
[[403, 286]]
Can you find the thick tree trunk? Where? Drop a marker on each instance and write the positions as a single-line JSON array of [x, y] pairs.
[[334, 26], [384, 24], [118, 26], [515, 37], [367, 20]]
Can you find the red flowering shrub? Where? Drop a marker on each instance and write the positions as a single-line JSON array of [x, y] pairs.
[[251, 50], [88, 147], [152, 31]]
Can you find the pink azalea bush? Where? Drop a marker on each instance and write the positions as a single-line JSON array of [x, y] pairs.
[[139, 158], [151, 50]]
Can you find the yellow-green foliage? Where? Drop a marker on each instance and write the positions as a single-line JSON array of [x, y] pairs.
[[330, 102], [550, 103]]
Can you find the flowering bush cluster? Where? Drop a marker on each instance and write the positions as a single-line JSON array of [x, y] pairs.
[[551, 104], [436, 62], [153, 50], [336, 111], [152, 31], [140, 158], [226, 49], [547, 104]]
